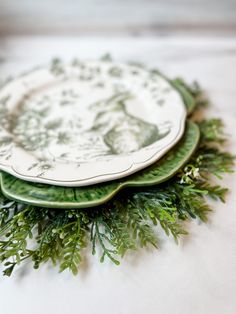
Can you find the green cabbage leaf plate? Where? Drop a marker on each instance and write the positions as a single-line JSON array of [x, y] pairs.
[[50, 196]]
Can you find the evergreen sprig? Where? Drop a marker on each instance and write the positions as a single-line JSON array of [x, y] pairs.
[[127, 222]]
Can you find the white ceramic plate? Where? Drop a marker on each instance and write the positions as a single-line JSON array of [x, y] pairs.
[[87, 122]]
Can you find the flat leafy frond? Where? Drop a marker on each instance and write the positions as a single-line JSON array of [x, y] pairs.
[[128, 221]]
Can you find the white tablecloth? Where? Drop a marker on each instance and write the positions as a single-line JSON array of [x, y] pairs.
[[199, 275]]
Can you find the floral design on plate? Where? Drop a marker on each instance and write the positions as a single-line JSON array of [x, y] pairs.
[[87, 122]]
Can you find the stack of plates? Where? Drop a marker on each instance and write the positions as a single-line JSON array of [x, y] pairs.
[[72, 136]]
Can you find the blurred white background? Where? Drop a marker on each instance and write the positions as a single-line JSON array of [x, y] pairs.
[[112, 17]]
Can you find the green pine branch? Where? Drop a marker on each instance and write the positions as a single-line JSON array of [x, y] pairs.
[[127, 222]]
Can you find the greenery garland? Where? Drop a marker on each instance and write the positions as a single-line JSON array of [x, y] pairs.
[[128, 221]]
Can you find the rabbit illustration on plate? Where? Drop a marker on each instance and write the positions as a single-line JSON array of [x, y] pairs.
[[123, 132]]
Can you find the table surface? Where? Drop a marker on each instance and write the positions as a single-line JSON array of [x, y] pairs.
[[199, 275]]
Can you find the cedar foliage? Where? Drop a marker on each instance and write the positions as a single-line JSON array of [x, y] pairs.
[[128, 221]]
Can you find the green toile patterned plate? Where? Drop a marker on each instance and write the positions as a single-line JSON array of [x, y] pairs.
[[81, 197], [87, 122]]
